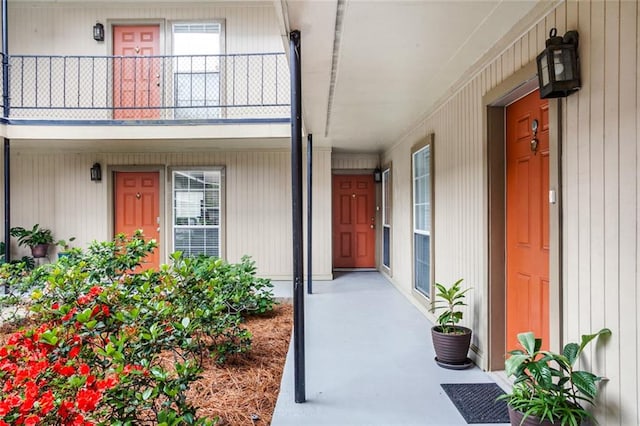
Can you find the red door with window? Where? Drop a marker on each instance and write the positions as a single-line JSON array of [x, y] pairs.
[[137, 206], [136, 77], [528, 218], [354, 221]]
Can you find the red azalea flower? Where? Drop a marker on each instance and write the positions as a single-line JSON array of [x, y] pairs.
[[107, 383], [46, 402], [88, 399], [2, 423], [95, 310], [105, 310], [84, 369], [55, 306], [3, 352], [4, 408], [95, 291], [74, 351], [65, 409], [32, 420], [69, 314]]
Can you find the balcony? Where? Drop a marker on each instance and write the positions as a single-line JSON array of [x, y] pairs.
[[121, 90]]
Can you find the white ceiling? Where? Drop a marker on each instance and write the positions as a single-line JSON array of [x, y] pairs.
[[394, 60]]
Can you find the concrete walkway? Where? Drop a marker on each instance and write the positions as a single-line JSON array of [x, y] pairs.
[[369, 360]]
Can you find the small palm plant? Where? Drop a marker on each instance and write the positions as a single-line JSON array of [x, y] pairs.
[[450, 300]]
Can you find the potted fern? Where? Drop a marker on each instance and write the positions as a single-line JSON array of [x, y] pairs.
[[36, 238], [547, 389], [451, 341]]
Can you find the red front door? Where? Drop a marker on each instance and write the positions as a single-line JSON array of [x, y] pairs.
[[354, 221], [527, 219], [137, 206], [136, 78]]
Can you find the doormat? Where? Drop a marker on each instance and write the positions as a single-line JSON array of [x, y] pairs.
[[477, 403]]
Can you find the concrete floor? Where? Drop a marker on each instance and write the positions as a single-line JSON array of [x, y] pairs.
[[369, 360]]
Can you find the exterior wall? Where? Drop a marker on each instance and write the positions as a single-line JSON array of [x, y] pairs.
[[61, 28], [600, 188], [54, 189], [345, 161]]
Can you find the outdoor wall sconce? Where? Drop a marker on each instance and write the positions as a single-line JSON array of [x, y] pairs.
[[559, 66], [377, 175], [98, 32], [96, 172]]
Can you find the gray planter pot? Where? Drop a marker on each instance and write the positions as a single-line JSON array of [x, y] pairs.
[[516, 420], [451, 348], [39, 250]]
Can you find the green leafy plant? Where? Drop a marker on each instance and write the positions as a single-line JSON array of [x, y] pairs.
[[547, 385], [449, 300], [32, 237], [65, 244], [105, 332]]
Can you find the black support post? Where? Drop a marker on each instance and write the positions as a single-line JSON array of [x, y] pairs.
[[5, 60], [309, 211], [296, 189]]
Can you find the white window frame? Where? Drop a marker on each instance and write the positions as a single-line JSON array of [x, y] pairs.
[[428, 221], [386, 215], [220, 208], [202, 67]]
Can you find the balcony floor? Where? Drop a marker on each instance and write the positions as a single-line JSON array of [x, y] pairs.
[[369, 360]]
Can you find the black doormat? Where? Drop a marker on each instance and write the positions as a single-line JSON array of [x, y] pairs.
[[477, 402]]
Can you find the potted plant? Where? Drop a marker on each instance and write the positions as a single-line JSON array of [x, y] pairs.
[[547, 389], [38, 239], [64, 246], [451, 341]]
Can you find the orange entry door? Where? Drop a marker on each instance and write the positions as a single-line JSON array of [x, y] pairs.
[[354, 221], [136, 78], [137, 206], [528, 219]]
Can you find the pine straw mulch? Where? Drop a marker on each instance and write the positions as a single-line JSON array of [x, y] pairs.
[[243, 391]]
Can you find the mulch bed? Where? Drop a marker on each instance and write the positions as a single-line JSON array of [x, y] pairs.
[[244, 390]]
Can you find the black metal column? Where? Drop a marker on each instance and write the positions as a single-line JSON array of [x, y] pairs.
[[309, 211], [5, 60], [296, 189], [7, 200]]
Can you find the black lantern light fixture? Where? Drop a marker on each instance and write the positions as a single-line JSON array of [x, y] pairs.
[[98, 32], [377, 175], [96, 172], [559, 66]]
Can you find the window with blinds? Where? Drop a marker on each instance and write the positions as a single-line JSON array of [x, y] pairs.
[[386, 218], [196, 212]]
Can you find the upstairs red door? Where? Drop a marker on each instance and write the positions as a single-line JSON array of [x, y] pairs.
[[137, 206], [136, 78], [527, 218], [353, 221]]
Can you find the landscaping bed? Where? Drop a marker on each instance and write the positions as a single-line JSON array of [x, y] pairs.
[[199, 342]]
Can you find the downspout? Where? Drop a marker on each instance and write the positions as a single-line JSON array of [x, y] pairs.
[[296, 206], [309, 211]]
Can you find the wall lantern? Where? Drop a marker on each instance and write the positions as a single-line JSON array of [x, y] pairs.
[[559, 66], [96, 172], [98, 32], [377, 175]]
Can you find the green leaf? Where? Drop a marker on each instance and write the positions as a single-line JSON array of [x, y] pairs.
[[528, 342], [586, 338], [585, 382], [185, 322], [513, 362], [147, 394], [571, 352]]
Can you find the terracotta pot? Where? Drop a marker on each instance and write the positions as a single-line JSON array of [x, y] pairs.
[[39, 250], [451, 348]]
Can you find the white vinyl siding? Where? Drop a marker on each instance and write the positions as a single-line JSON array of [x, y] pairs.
[[196, 212]]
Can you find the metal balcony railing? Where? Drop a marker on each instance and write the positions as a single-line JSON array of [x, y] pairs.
[[198, 87]]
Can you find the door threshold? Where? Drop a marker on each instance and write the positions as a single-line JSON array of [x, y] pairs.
[[355, 270], [501, 379]]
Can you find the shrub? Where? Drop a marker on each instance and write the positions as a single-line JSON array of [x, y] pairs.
[[117, 346]]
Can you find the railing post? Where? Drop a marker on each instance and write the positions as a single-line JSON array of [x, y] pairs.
[[5, 60], [296, 189]]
